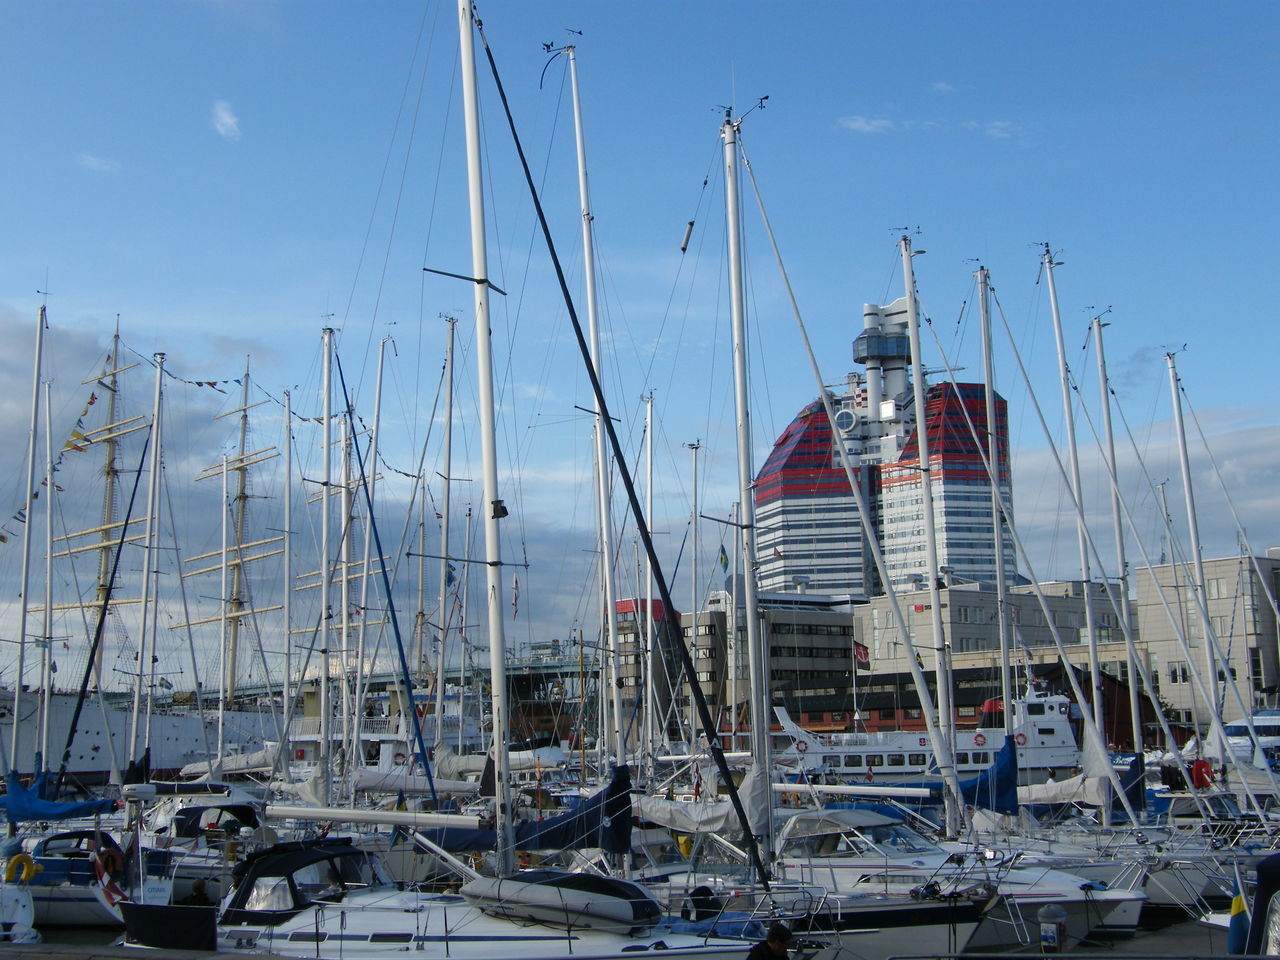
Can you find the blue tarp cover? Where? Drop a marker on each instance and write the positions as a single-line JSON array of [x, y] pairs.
[[602, 820], [28, 803]]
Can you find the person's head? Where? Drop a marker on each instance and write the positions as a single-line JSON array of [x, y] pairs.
[[779, 937], [197, 885]]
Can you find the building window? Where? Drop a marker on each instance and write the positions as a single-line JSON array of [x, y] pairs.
[[1178, 671], [962, 758], [912, 714], [967, 711], [887, 714]]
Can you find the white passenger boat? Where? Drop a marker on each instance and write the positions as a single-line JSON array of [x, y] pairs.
[[1042, 733]]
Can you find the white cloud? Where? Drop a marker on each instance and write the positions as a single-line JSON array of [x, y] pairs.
[[995, 129], [99, 164], [941, 86], [868, 125], [225, 121]]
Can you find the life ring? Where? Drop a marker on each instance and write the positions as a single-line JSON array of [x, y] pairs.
[[923, 741], [802, 746], [979, 739], [400, 758], [1020, 739], [108, 864], [21, 861]]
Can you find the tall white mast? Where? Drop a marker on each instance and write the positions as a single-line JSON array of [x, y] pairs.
[[287, 545], [604, 487], [442, 610], [757, 654], [494, 510], [46, 631], [371, 478], [693, 592], [946, 718], [1122, 565], [1197, 558], [226, 655], [651, 646], [145, 639], [24, 602], [1073, 459], [326, 606], [997, 497], [347, 502]]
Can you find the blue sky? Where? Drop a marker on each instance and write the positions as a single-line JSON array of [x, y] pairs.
[[223, 174]]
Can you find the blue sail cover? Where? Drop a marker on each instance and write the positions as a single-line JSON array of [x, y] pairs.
[[28, 803], [996, 788], [1134, 782], [602, 820]]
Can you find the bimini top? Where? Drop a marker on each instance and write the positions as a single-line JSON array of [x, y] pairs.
[[817, 822], [274, 884]]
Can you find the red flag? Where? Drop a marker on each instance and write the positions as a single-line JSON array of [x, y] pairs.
[[777, 553], [862, 654], [871, 775]]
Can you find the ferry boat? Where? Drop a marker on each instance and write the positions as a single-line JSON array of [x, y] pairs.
[[1266, 723], [1042, 732]]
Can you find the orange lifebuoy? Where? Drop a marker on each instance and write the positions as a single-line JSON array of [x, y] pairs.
[[1020, 739], [400, 759], [802, 746], [108, 864], [979, 740]]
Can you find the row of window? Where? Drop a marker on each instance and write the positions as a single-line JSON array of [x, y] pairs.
[[873, 760]]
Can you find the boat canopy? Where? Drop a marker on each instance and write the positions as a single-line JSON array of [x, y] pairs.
[[602, 820], [28, 803]]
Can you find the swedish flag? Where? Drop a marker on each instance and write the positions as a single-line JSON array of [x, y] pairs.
[[1238, 927], [724, 559]]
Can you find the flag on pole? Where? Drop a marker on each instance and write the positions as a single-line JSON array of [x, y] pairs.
[[862, 654], [165, 683], [724, 559], [449, 575], [1238, 925], [777, 553]]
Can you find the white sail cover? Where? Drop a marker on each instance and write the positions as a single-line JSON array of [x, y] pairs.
[[395, 781], [712, 814], [685, 816], [452, 765], [1078, 789], [256, 761]]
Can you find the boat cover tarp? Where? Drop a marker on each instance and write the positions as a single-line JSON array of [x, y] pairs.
[[28, 803], [450, 764], [1134, 782], [683, 816], [394, 781], [1077, 789], [713, 814], [603, 820], [996, 788], [252, 762]]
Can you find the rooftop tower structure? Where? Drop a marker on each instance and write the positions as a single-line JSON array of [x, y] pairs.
[[806, 518]]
